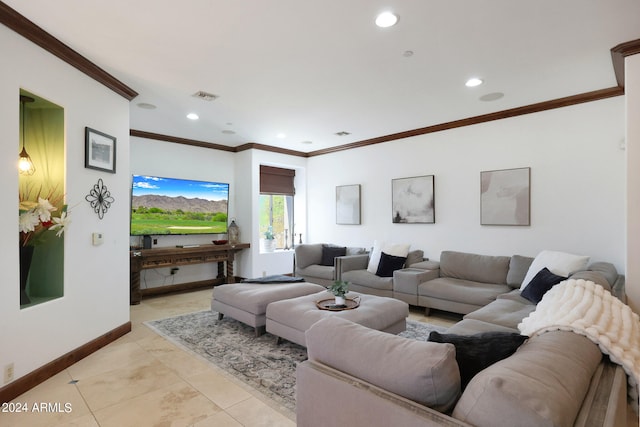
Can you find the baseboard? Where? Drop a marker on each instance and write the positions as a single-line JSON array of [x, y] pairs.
[[32, 379]]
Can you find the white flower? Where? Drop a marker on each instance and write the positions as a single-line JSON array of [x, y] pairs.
[[28, 221], [60, 224], [44, 209]]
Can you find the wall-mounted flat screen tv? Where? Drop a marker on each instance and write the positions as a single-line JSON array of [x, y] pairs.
[[178, 206]]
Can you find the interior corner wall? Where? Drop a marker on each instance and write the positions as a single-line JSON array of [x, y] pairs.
[[96, 278], [171, 160], [632, 91], [577, 185]]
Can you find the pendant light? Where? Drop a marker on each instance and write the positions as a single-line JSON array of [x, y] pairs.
[[25, 164]]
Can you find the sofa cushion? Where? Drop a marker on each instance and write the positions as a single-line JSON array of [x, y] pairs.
[[478, 268], [329, 252], [308, 254], [543, 384], [560, 263], [425, 372], [518, 267], [388, 264], [317, 270], [506, 312], [415, 256], [463, 291], [540, 284], [379, 246], [368, 280], [594, 276], [479, 351]]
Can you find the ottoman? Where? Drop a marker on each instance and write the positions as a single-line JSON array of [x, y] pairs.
[[290, 319], [247, 302]]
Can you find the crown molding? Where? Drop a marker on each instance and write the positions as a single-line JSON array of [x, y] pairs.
[[499, 115], [29, 30], [178, 140], [618, 53]]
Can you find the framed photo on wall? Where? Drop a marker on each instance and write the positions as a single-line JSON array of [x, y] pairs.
[[413, 200], [505, 197], [348, 204], [99, 150]]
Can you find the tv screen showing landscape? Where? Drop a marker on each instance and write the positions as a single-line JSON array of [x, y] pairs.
[[177, 206]]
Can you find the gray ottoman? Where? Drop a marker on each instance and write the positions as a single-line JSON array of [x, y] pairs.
[[289, 319], [247, 302]]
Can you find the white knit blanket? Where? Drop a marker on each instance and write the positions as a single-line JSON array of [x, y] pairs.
[[586, 308]]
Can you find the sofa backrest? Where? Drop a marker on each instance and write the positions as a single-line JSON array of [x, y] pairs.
[[518, 267], [478, 268], [543, 384], [308, 254]]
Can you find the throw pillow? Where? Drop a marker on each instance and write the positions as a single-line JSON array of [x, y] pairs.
[[560, 263], [329, 252], [388, 264], [476, 352], [540, 284], [396, 249]]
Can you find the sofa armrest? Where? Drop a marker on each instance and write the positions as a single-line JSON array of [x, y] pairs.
[[350, 262], [321, 393]]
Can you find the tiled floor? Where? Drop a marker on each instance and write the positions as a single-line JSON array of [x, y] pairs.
[[144, 380]]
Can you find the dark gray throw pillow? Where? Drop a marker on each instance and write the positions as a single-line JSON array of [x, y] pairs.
[[388, 264], [540, 284], [477, 352], [330, 252]]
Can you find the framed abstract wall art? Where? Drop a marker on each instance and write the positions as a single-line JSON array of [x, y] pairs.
[[348, 204], [413, 200], [505, 197]]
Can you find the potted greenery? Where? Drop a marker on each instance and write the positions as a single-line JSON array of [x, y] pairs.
[[339, 288], [269, 240]]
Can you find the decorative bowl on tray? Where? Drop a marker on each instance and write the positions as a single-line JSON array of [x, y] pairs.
[[220, 242]]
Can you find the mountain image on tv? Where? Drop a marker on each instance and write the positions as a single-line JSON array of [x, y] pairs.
[[178, 206]]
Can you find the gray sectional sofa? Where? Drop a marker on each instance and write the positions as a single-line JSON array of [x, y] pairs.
[[315, 262], [555, 379]]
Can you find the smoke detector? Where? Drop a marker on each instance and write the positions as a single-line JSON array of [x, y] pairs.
[[205, 96]]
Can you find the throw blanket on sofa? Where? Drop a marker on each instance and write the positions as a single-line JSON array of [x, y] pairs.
[[586, 308]]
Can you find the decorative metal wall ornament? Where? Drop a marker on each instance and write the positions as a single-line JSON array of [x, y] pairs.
[[100, 198]]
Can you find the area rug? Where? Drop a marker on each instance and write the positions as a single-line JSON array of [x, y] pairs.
[[256, 361]]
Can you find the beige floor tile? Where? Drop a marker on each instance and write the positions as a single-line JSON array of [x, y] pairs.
[[53, 402], [254, 413], [219, 389], [140, 377], [176, 405], [221, 419], [118, 354], [84, 421]]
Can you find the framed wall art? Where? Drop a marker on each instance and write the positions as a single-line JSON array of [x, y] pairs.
[[413, 200], [99, 151], [348, 204], [505, 197]]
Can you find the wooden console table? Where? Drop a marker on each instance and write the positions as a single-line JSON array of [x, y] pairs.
[[169, 257]]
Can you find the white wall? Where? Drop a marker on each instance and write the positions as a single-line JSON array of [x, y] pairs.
[[577, 185], [632, 91], [96, 281]]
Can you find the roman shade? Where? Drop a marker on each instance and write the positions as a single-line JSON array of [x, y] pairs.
[[276, 180]]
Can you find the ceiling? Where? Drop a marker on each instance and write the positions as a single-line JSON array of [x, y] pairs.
[[309, 70]]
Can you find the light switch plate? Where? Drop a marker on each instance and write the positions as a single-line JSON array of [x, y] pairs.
[[97, 239]]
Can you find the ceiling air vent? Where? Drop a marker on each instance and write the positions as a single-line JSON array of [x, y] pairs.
[[205, 96], [343, 133]]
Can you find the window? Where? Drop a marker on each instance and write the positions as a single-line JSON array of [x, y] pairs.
[[276, 208]]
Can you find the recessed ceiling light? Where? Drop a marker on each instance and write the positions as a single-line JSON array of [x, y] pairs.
[[307, 142], [281, 135], [407, 53], [192, 116], [228, 132], [386, 19], [146, 106], [473, 82]]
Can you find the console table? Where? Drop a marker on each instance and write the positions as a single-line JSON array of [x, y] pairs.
[[168, 257]]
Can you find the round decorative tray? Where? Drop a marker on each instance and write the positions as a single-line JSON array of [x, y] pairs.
[[330, 304]]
